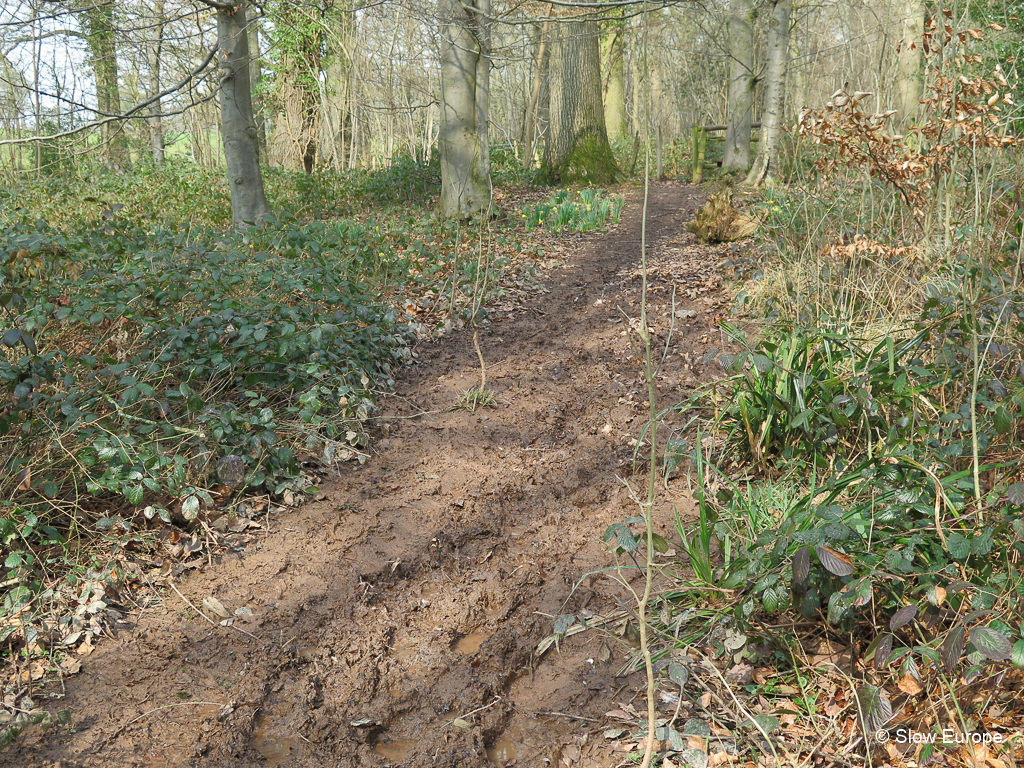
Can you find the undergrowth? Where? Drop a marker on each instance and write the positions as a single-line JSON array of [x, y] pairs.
[[858, 474], [157, 369]]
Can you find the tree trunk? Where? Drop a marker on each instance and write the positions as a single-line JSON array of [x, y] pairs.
[[910, 60], [255, 75], [615, 82], [337, 134], [100, 32], [741, 86], [465, 83], [577, 148], [299, 66], [156, 126], [238, 129], [531, 124], [774, 93]]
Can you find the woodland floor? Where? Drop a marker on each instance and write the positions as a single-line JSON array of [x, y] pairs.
[[415, 591]]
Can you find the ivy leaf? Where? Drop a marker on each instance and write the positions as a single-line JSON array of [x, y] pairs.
[[834, 561], [902, 617], [992, 644]]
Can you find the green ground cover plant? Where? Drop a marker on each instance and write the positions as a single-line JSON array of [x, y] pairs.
[[156, 368]]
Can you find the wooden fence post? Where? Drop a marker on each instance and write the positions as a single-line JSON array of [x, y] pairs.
[[698, 149]]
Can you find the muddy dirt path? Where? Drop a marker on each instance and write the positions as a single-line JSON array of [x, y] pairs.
[[395, 620]]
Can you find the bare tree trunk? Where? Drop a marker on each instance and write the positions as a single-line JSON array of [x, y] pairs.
[[238, 129], [740, 113], [577, 148], [532, 121], [615, 83], [338, 68], [774, 94], [910, 70], [255, 75], [465, 83], [100, 33], [156, 126]]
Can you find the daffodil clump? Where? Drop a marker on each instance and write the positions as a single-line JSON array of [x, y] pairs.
[[586, 210]]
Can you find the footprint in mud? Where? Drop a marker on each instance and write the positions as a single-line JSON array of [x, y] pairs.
[[277, 750], [394, 749]]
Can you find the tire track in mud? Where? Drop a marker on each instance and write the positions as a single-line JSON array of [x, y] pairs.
[[394, 621]]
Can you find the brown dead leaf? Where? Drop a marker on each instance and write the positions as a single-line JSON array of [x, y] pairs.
[[214, 605], [696, 742], [720, 758], [618, 714], [909, 685]]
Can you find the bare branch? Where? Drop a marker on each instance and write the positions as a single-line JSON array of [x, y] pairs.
[[124, 115]]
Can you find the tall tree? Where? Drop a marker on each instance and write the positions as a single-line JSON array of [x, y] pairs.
[[238, 127], [338, 102], [463, 141], [255, 81], [910, 60], [101, 37], [774, 93], [577, 148], [299, 42], [740, 110], [532, 121], [612, 54], [156, 126]]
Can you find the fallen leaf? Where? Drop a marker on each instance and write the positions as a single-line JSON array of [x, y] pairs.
[[214, 605], [909, 685], [618, 714]]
